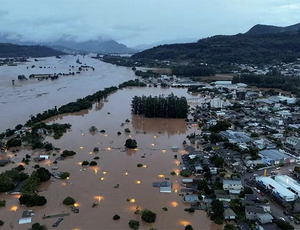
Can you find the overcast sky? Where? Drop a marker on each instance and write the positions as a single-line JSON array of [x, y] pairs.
[[135, 22]]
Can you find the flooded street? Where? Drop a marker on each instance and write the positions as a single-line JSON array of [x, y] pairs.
[[116, 184], [25, 98]]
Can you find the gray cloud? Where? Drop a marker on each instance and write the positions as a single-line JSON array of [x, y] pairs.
[[3, 13], [138, 22]]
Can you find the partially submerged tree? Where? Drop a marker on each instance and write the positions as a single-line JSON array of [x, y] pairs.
[[131, 143], [148, 216], [69, 201]]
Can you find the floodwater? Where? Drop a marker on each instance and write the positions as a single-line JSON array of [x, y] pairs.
[[116, 179], [25, 98]]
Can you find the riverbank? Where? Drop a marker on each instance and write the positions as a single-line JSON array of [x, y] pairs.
[[155, 138]]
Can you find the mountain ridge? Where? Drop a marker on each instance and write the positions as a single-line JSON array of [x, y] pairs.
[[257, 48], [8, 50], [99, 45], [267, 29]]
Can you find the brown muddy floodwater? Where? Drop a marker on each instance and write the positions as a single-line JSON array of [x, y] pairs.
[[155, 138], [25, 98]]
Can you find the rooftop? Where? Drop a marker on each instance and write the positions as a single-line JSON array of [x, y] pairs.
[[229, 212], [254, 209], [288, 182], [191, 198], [236, 182], [275, 185], [273, 154]]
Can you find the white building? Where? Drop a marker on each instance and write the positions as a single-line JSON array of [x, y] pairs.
[[289, 100], [284, 113], [234, 186], [277, 189], [219, 103], [223, 82], [292, 141], [289, 183]]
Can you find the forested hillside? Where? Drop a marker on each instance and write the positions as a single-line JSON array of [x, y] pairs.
[[12, 50], [241, 48]]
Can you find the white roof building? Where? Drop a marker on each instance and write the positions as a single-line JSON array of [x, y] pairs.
[[223, 82], [219, 103], [278, 190], [288, 183]]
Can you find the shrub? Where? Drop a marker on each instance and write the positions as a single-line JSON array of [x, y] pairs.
[[18, 127], [185, 173], [36, 166], [148, 216], [134, 224], [165, 209], [94, 205], [32, 200], [188, 227], [96, 149], [2, 203], [93, 129], [37, 226], [1, 222], [93, 163], [102, 131], [96, 158], [43, 174], [173, 173], [189, 209], [69, 201], [85, 163], [116, 217], [229, 227], [48, 146], [119, 133], [41, 200], [20, 168], [248, 190], [67, 153], [218, 220], [131, 144], [139, 165], [64, 175], [127, 130], [13, 142]]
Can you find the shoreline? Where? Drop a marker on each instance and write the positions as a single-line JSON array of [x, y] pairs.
[[84, 186]]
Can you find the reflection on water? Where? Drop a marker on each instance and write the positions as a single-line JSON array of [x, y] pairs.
[[158, 125], [116, 183]]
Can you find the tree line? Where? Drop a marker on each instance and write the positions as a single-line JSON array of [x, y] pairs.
[[161, 106], [270, 80], [81, 104], [193, 70], [240, 48]]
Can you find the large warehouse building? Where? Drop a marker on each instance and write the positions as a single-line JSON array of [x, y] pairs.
[[278, 190], [288, 183], [274, 157]]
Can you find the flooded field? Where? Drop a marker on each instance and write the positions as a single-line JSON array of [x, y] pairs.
[[218, 77], [25, 98], [116, 184]]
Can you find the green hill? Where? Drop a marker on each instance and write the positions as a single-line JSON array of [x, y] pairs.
[[253, 47], [12, 50]]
